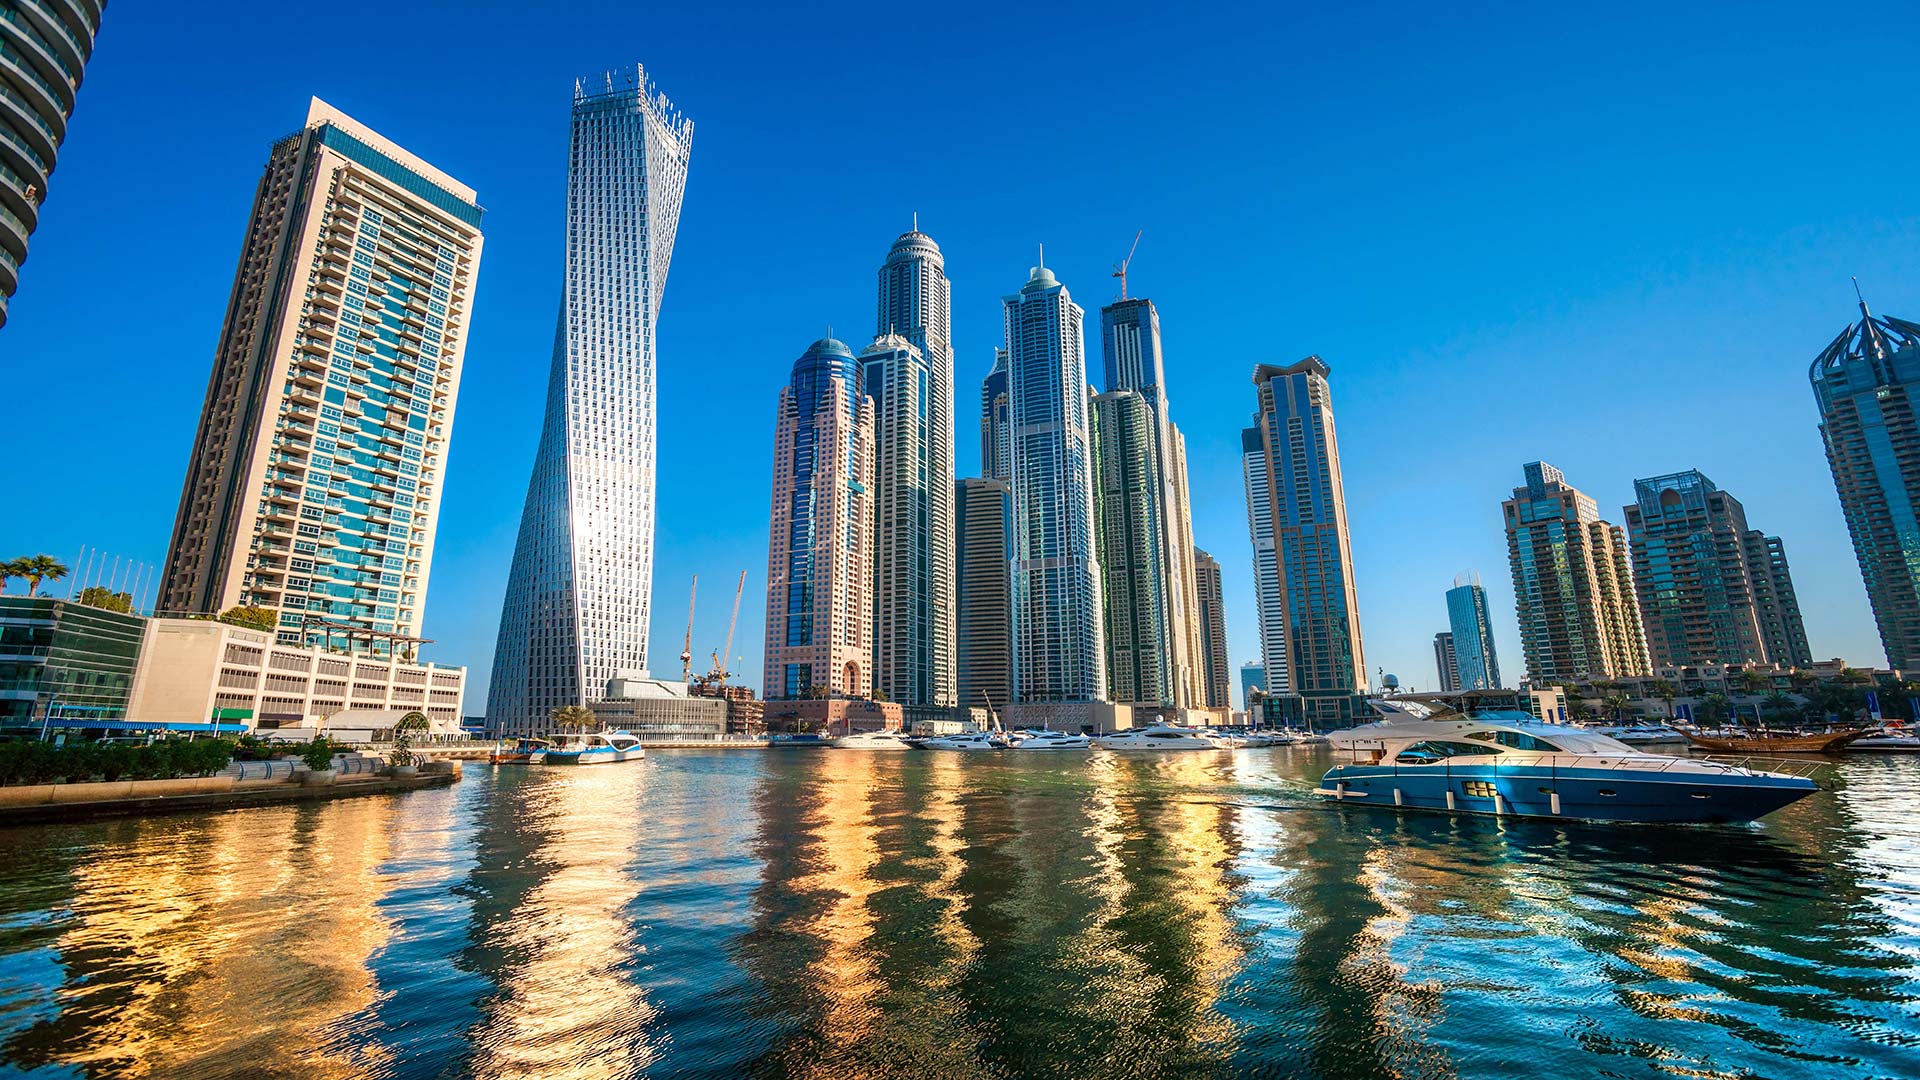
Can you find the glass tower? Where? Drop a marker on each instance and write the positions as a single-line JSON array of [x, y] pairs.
[[1867, 383], [996, 438], [909, 375], [1213, 632], [1476, 667], [1572, 583], [983, 523], [1320, 610], [313, 487], [577, 601], [1128, 508], [1266, 561], [820, 539], [1447, 660], [44, 48], [1059, 656]]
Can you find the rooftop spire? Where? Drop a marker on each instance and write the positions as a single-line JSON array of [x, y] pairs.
[[1043, 256], [916, 221], [1864, 313]]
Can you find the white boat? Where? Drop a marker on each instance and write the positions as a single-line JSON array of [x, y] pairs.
[[1225, 740], [873, 740], [1157, 737], [965, 740], [599, 748], [1032, 739], [1638, 734], [1887, 740]]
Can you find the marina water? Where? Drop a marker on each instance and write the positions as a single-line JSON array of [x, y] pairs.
[[924, 914]]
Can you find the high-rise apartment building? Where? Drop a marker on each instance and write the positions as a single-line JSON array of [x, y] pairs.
[[313, 487], [1128, 506], [996, 434], [1253, 676], [1476, 664], [1059, 655], [1270, 608], [1319, 607], [820, 541], [44, 49], [580, 589], [909, 375], [1865, 382], [1572, 583], [1131, 352], [1213, 632], [983, 525], [1446, 661], [1702, 577]]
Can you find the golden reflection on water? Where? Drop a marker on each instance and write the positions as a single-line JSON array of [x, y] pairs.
[[564, 1005]]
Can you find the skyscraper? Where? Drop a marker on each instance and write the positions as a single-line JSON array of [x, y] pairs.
[[1865, 382], [1271, 608], [1476, 665], [996, 436], [1572, 586], [909, 375], [578, 596], [1131, 353], [1252, 677], [983, 524], [313, 487], [1213, 632], [1128, 504], [1447, 661], [1059, 655], [820, 541], [1320, 610], [44, 48], [1702, 577]]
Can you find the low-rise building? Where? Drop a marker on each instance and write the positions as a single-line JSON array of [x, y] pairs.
[[65, 663], [659, 711]]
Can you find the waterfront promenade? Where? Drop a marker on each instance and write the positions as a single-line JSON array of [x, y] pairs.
[[930, 915]]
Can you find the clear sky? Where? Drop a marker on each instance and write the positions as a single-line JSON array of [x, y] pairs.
[[1612, 241]]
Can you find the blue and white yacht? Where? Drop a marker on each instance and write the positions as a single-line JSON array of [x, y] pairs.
[[1508, 763], [597, 749]]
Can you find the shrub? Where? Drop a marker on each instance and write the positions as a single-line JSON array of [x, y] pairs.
[[318, 754]]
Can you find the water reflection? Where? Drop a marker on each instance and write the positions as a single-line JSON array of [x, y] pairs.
[[943, 915]]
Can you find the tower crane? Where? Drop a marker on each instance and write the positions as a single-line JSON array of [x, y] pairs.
[[719, 675], [686, 648], [1120, 268]]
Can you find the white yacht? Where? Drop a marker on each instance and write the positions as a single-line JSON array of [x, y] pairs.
[[965, 740], [1032, 739], [1888, 740], [1157, 737], [873, 740], [597, 748]]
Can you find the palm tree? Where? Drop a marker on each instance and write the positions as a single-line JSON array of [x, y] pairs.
[[1616, 704], [38, 568], [1665, 691], [1777, 704], [577, 717], [1715, 708], [1754, 682]]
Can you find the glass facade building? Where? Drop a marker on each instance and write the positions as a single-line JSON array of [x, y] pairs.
[[44, 49], [1270, 608], [1253, 676], [1446, 662], [1319, 607], [314, 484], [1128, 513], [909, 376], [983, 522], [1213, 633], [1867, 384], [1059, 655], [820, 539], [74, 660], [1711, 589], [580, 589], [1476, 664], [1572, 583]]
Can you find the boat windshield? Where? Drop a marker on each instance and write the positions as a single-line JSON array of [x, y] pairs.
[[1431, 750], [1519, 740]]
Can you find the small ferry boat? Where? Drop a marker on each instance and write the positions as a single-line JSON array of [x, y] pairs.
[[522, 752], [965, 740], [598, 748], [1157, 737], [873, 740], [1041, 739], [804, 740], [1508, 763]]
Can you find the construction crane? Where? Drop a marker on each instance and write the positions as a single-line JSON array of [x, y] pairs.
[[686, 647], [719, 675], [1120, 268]]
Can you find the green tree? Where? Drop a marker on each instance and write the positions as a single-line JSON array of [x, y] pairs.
[[1715, 710], [37, 570], [102, 597], [1754, 682], [1665, 691], [258, 618], [1616, 705], [1778, 705], [573, 717]]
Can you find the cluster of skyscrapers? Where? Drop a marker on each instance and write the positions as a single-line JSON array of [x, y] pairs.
[[1062, 580]]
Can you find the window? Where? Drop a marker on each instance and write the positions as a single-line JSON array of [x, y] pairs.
[[1432, 750], [1479, 789]]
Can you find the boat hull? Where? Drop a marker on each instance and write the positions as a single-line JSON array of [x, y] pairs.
[[1577, 793], [1776, 744], [593, 757]]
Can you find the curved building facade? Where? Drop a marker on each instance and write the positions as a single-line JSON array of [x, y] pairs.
[[44, 48]]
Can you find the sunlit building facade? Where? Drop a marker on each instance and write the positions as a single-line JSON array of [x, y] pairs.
[[579, 592], [313, 488], [1476, 664], [820, 540], [44, 49], [1572, 583], [1446, 661], [1865, 382], [1269, 607], [1129, 507], [1216, 681]]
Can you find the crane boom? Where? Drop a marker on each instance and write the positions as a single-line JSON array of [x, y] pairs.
[[1120, 269], [731, 622], [686, 648]]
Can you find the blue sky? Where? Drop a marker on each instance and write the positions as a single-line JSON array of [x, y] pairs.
[[1611, 241]]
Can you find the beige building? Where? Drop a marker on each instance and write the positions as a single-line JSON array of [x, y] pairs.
[[1572, 583], [660, 711], [189, 668], [314, 482]]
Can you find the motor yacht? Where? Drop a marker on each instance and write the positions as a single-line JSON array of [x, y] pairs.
[[1508, 763], [1888, 739], [964, 740], [1157, 737], [873, 740], [1639, 734], [522, 752], [598, 748], [1033, 739]]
